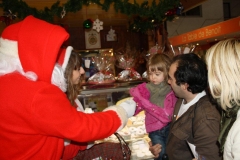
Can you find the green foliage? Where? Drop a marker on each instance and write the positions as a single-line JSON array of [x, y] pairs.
[[141, 14]]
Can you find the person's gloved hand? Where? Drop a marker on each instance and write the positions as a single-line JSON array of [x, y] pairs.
[[129, 105]]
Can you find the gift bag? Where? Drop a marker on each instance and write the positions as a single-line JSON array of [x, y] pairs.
[[126, 59], [106, 72], [106, 151]]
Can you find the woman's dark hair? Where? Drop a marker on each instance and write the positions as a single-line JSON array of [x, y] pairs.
[[74, 63], [192, 70]]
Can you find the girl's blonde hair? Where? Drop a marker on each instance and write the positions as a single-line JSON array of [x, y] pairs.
[[223, 60], [159, 62], [73, 90]]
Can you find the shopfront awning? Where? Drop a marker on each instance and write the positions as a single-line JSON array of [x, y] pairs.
[[215, 32]]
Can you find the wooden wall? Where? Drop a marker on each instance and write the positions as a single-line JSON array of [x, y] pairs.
[[137, 40]]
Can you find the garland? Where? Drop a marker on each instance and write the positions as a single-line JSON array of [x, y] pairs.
[[144, 16]]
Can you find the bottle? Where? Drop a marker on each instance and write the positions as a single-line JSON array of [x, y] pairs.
[[165, 157]]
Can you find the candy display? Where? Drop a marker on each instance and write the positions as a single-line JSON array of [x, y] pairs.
[[105, 67], [135, 134], [126, 59], [134, 130], [140, 150]]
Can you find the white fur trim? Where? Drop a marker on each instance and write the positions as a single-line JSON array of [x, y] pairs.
[[66, 57], [31, 75], [122, 114], [9, 59], [9, 47], [9, 64], [58, 78]]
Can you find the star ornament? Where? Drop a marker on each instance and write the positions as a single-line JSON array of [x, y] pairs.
[[97, 25]]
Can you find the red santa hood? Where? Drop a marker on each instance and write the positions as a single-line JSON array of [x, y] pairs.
[[37, 43]]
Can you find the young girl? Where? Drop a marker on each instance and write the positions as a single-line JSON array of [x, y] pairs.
[[157, 99]]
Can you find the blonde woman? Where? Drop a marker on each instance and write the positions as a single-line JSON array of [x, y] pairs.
[[223, 60]]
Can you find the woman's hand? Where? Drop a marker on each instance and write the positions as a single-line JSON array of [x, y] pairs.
[[156, 149]]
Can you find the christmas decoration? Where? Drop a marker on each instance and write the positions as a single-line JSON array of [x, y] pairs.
[[105, 67], [92, 39], [7, 17], [111, 34], [148, 15], [97, 25], [63, 13], [87, 24], [126, 60]]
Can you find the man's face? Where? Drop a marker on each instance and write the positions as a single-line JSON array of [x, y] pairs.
[[172, 81]]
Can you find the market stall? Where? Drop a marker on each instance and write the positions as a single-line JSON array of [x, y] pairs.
[[203, 38]]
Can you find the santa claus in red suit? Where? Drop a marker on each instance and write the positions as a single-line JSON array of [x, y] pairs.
[[35, 115]]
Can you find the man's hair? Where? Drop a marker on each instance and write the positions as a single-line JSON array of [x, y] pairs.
[[223, 60], [192, 70]]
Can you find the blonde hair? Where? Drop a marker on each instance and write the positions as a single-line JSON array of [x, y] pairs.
[[223, 60], [159, 62]]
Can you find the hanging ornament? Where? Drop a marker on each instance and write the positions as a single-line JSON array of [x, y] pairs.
[[10, 14], [87, 24], [97, 25], [63, 13], [171, 12], [7, 17], [111, 36]]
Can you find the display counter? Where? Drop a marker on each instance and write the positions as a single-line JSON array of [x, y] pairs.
[[99, 97]]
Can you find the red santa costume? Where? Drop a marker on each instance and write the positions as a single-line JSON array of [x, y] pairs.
[[35, 115]]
